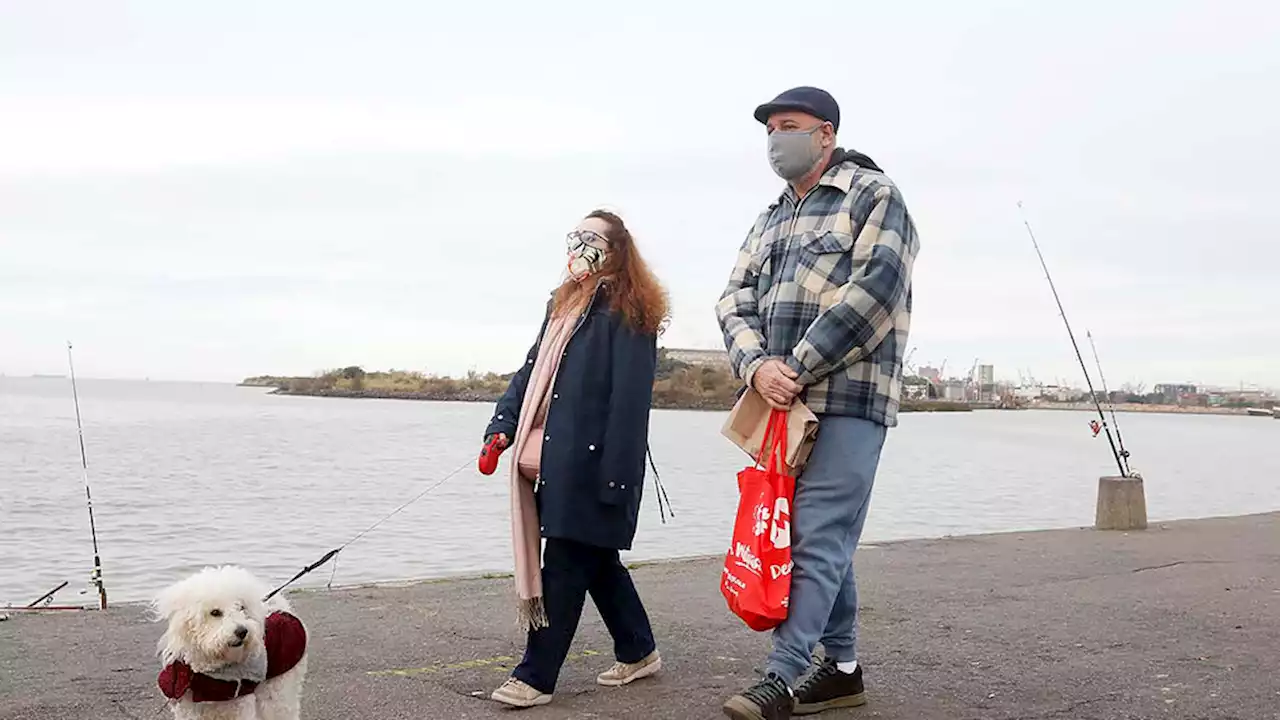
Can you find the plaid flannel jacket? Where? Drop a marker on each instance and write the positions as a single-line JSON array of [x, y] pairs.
[[824, 282]]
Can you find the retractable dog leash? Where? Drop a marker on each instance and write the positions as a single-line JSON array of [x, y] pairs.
[[487, 464]]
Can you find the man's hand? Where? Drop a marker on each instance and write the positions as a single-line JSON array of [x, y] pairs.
[[776, 383]]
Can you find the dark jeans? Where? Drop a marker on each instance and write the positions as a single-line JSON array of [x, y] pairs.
[[570, 570]]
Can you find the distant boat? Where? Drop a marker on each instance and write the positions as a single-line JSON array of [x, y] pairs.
[[40, 376]]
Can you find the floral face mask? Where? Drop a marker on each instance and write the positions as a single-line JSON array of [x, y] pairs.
[[587, 251]]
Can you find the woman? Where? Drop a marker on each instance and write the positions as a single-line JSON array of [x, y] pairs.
[[577, 417]]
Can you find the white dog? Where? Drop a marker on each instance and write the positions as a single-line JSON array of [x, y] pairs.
[[227, 654]]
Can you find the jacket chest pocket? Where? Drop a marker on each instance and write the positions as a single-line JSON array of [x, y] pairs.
[[824, 263]]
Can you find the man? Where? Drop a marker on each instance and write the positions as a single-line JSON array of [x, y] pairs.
[[818, 307]]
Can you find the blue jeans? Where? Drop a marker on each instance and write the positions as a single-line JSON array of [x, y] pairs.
[[570, 572], [833, 493]]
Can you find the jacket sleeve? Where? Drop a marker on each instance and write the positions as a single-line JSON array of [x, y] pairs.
[[866, 306], [507, 411], [634, 357], [738, 309]]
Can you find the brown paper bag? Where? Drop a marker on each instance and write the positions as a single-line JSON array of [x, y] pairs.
[[749, 417]]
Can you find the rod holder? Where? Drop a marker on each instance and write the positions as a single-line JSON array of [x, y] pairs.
[[1122, 504]]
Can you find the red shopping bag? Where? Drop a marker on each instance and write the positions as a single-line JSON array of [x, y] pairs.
[[756, 581]]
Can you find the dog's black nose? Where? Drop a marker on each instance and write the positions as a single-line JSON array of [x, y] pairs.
[[241, 632]]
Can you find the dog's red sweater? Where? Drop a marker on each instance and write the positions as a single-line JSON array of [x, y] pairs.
[[286, 642]]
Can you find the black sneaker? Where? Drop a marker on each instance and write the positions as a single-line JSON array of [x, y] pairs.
[[828, 688], [769, 699]]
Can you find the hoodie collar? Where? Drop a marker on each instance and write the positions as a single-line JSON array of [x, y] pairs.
[[842, 167]]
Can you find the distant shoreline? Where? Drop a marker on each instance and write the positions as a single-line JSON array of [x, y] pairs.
[[660, 400], [713, 404], [677, 386], [1144, 408], [468, 396]]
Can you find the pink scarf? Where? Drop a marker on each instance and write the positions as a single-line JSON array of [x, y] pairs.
[[526, 535]]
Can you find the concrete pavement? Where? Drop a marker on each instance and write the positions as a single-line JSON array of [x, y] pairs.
[[1181, 621]]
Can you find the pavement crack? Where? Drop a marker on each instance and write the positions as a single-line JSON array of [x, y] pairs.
[[1177, 563]]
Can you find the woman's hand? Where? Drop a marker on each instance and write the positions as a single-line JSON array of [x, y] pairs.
[[493, 447]]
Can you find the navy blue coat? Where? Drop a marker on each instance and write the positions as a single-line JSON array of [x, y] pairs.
[[597, 428]]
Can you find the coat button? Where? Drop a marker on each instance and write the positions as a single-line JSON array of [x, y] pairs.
[[611, 485], [499, 417], [592, 448], [530, 362], [555, 396], [624, 487], [546, 438]]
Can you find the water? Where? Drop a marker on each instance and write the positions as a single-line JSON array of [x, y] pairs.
[[185, 475]]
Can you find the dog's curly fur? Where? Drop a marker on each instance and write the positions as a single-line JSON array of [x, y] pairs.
[[202, 614]]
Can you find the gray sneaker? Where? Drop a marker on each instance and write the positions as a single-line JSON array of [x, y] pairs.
[[625, 673], [517, 694]]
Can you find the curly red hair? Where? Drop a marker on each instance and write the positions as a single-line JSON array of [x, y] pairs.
[[631, 286]]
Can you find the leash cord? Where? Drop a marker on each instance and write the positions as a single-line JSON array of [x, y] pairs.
[[333, 553], [662, 491]]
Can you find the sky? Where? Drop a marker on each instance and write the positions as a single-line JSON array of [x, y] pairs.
[[208, 191]]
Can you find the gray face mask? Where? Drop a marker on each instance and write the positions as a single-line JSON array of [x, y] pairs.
[[792, 154]]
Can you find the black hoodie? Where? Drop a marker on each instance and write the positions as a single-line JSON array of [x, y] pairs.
[[841, 155]]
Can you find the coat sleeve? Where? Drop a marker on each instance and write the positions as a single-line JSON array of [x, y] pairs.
[[865, 309], [634, 359], [507, 411], [738, 311]]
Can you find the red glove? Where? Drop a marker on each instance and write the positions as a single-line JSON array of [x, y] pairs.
[[489, 455]]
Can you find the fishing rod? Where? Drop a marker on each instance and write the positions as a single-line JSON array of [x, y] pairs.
[[96, 577], [334, 552], [47, 598], [1062, 311], [1124, 454]]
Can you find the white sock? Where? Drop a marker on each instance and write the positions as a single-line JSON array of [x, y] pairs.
[[847, 667]]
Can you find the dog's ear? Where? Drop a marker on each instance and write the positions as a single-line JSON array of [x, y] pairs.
[[166, 603], [176, 607], [182, 621]]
